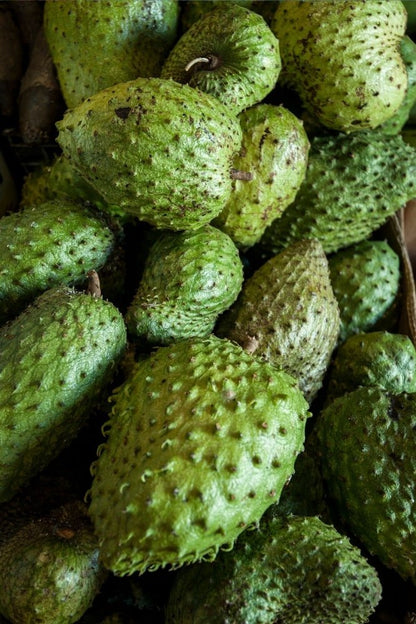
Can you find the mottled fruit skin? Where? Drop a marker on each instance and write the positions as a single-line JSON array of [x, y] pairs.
[[287, 314], [353, 184], [56, 358], [95, 45], [297, 570], [274, 151], [159, 150], [344, 59], [368, 458], [366, 281], [50, 244], [242, 53], [380, 359], [188, 280], [50, 567], [201, 440]]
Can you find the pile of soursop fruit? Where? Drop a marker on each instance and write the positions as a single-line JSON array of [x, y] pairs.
[[207, 406]]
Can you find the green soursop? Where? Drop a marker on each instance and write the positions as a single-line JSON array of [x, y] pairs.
[[95, 45], [368, 458], [56, 358], [274, 151], [297, 570], [366, 279], [344, 59], [189, 278], [230, 53], [201, 440], [287, 314], [50, 244], [353, 183], [157, 149]]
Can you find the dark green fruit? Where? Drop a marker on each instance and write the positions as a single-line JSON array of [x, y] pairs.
[[159, 150], [56, 358], [201, 440]]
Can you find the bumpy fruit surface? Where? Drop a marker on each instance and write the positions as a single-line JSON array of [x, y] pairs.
[[274, 151], [296, 570], [287, 314], [159, 150], [53, 243], [230, 53], [343, 59], [56, 358], [95, 45], [202, 438], [188, 280], [368, 453], [353, 183]]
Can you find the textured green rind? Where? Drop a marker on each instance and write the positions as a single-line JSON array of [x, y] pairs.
[[95, 45], [293, 571], [368, 454], [159, 150], [353, 183], [343, 59], [202, 439], [188, 280], [381, 359], [193, 10], [247, 52], [275, 151], [56, 358], [365, 278], [53, 243], [50, 568], [287, 314]]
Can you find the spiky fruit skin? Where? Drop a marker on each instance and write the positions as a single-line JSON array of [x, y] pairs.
[[188, 280], [50, 568], [353, 183], [90, 55], [294, 571], [193, 10], [56, 242], [275, 151], [368, 462], [365, 278], [380, 359], [287, 314], [202, 438], [56, 358], [395, 124], [343, 59], [243, 52], [159, 150]]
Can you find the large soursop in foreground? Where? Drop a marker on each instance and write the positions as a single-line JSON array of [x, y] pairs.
[[201, 440]]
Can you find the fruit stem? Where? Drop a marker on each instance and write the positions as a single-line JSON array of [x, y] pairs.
[[237, 174], [94, 287], [211, 60]]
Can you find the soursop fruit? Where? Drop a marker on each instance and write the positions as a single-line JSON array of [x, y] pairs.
[[230, 53], [193, 10], [56, 358], [50, 244], [368, 452], [380, 359], [274, 151], [365, 278], [344, 59], [188, 280], [159, 150], [287, 314], [95, 45], [296, 570], [201, 439], [353, 183], [49, 565]]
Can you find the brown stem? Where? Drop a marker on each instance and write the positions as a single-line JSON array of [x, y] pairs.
[[208, 62], [237, 174], [94, 287]]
